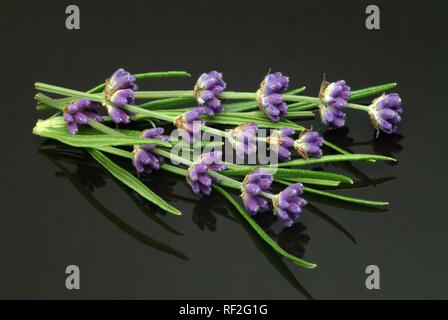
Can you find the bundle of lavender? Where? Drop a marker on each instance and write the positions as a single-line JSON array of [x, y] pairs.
[[264, 145]]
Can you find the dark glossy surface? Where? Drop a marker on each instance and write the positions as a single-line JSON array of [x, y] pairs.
[[55, 213]]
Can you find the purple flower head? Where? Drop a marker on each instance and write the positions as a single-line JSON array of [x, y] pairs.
[[273, 106], [78, 112], [243, 138], [288, 204], [254, 184], [207, 89], [119, 91], [385, 112], [269, 97], [280, 141], [198, 176], [309, 144], [143, 159], [274, 83], [333, 98], [190, 123]]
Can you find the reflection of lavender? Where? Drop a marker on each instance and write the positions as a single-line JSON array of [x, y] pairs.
[[206, 210], [204, 218], [89, 177], [339, 137], [293, 239], [387, 145]]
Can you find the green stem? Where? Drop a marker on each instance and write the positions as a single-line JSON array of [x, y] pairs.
[[163, 94], [238, 95], [358, 107], [146, 75], [297, 98], [102, 128], [67, 92], [40, 97], [149, 113], [214, 131]]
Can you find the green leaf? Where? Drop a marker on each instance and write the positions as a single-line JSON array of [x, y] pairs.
[[345, 198], [147, 75], [93, 140], [310, 161], [240, 106], [162, 74], [370, 91], [226, 120], [334, 158], [318, 182], [261, 232], [283, 173], [335, 147], [300, 114], [301, 106], [131, 181], [296, 90]]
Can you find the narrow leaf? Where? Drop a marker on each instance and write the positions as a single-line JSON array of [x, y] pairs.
[[318, 182], [345, 198], [370, 91], [131, 181], [93, 140], [283, 173]]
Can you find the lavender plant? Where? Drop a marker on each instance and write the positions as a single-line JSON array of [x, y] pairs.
[[79, 123]]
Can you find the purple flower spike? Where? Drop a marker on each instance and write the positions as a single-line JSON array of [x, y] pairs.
[[189, 122], [333, 98], [254, 184], [309, 144], [198, 176], [269, 96], [207, 89], [385, 112], [280, 141], [78, 112], [143, 159], [274, 83], [119, 91], [288, 204], [243, 138]]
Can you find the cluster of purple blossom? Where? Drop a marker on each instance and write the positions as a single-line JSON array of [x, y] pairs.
[[385, 111]]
